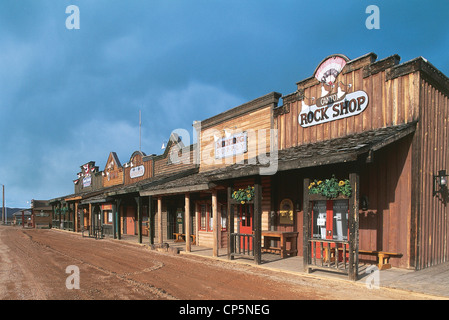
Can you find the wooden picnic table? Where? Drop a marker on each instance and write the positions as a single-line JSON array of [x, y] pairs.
[[181, 237], [283, 237]]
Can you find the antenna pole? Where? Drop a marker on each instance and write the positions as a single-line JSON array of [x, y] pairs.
[[140, 132]]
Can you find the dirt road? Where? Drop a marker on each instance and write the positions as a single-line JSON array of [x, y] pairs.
[[33, 265]]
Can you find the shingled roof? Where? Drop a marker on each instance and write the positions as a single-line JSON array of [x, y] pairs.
[[338, 150]]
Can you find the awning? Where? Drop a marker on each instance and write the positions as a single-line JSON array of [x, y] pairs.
[[339, 150]]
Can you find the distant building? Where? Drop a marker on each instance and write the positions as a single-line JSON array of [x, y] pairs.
[[41, 213], [19, 218]]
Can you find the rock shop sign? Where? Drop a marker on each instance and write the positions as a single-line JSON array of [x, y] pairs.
[[332, 107]]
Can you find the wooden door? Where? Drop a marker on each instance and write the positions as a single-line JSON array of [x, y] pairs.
[[130, 221], [246, 225]]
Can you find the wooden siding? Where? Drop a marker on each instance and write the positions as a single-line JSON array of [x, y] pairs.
[[250, 117], [163, 164], [250, 123], [137, 159], [113, 173], [390, 102], [431, 156], [386, 224]]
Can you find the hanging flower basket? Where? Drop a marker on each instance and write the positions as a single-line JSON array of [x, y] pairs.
[[331, 188], [243, 195]]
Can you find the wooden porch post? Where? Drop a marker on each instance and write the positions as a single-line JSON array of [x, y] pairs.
[[114, 220], [159, 220], [76, 216], [354, 227], [215, 223], [139, 217], [150, 220], [60, 214], [187, 221], [117, 219], [257, 221], [230, 226], [82, 219], [91, 225], [306, 254]]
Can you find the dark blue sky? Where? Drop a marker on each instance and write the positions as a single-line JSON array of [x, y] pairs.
[[71, 96]]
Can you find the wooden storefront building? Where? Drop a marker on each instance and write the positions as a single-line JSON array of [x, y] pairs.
[[349, 167]]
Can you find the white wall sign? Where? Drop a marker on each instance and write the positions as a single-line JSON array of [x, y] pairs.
[[233, 145], [137, 172], [332, 107], [87, 181]]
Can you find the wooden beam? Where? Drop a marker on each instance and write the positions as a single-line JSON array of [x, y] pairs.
[[117, 219], [215, 223], [257, 221], [230, 225], [138, 200], [76, 216], [178, 190], [306, 226], [187, 221], [150, 220], [354, 226], [159, 220], [114, 220]]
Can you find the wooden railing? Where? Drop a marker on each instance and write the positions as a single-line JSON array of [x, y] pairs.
[[330, 254], [242, 244]]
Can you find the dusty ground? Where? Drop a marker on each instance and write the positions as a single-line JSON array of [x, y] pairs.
[[33, 266]]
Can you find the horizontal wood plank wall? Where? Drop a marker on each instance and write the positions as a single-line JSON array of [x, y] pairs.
[[251, 122], [433, 222], [391, 102], [206, 239], [118, 179], [164, 223], [113, 173], [148, 166], [163, 166], [266, 202]]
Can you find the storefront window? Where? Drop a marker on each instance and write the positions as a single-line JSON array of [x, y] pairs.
[[207, 217], [330, 220], [203, 217]]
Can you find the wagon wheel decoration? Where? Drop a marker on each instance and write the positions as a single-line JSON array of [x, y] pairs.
[[330, 68]]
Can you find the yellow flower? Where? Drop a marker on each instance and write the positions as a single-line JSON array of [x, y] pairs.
[[242, 202], [341, 183], [319, 182]]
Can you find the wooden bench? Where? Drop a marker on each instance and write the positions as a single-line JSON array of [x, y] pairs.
[[282, 237], [383, 258], [181, 237]]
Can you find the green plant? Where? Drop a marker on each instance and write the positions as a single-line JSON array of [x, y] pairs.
[[243, 195], [331, 188]]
